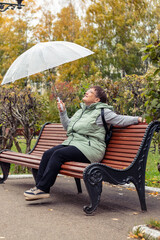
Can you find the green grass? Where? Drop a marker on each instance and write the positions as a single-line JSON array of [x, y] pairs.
[[139, 234], [155, 224], [152, 173], [23, 144]]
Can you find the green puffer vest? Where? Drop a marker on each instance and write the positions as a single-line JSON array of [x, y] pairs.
[[85, 134]]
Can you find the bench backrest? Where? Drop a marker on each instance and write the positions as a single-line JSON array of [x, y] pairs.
[[120, 153], [51, 135], [124, 145]]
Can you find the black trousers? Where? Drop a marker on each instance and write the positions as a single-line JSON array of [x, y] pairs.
[[51, 162]]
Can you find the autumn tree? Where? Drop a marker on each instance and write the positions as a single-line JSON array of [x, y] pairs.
[[43, 31], [64, 26], [130, 99], [152, 87], [15, 35], [19, 108], [116, 30]]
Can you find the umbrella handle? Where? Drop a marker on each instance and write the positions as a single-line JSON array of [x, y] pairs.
[[61, 106]]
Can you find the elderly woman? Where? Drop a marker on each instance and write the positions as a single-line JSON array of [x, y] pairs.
[[85, 142]]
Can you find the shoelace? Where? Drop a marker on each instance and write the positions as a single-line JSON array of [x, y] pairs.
[[33, 189]]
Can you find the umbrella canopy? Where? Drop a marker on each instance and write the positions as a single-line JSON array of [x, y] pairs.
[[43, 56]]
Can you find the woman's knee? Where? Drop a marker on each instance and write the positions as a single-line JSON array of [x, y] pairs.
[[52, 157], [58, 157]]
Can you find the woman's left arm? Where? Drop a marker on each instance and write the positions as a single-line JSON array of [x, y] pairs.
[[120, 120]]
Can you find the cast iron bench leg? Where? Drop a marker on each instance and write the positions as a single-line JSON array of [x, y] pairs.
[[141, 195], [78, 184], [93, 180], [5, 169]]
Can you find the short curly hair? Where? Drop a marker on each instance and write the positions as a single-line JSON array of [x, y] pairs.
[[100, 93]]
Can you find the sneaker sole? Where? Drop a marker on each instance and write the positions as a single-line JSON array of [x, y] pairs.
[[36, 197]]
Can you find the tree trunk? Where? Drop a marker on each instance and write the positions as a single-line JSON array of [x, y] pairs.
[[17, 145]]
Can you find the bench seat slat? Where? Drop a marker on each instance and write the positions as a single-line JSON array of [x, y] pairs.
[[77, 164], [42, 149], [120, 146], [52, 138], [10, 154], [71, 174], [44, 141], [37, 154], [116, 166], [56, 128], [18, 159], [26, 164], [56, 125], [121, 130], [50, 141], [72, 168], [121, 150], [50, 145], [54, 134], [119, 163], [117, 158], [122, 134], [126, 141], [121, 154], [140, 125]]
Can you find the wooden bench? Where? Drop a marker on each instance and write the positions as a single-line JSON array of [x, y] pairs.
[[124, 161]]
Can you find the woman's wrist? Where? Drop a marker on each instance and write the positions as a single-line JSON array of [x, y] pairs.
[[140, 120]]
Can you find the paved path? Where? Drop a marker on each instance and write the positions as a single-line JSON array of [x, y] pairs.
[[61, 217]]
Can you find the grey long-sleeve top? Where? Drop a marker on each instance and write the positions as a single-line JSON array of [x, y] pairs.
[[110, 118]]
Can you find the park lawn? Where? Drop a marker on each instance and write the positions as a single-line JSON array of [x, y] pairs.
[[152, 174], [19, 169], [23, 144]]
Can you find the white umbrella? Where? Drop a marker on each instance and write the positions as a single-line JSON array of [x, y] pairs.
[[43, 56]]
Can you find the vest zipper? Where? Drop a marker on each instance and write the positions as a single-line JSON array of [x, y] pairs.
[[89, 142], [74, 125]]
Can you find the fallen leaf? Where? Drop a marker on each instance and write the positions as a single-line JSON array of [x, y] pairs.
[[135, 236], [140, 235], [131, 189], [135, 213], [131, 235], [153, 193]]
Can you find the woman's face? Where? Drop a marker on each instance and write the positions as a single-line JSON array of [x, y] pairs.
[[90, 97]]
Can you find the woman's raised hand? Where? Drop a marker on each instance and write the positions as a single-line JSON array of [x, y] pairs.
[[61, 105]]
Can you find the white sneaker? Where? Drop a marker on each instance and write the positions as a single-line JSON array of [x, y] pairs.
[[35, 194]]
